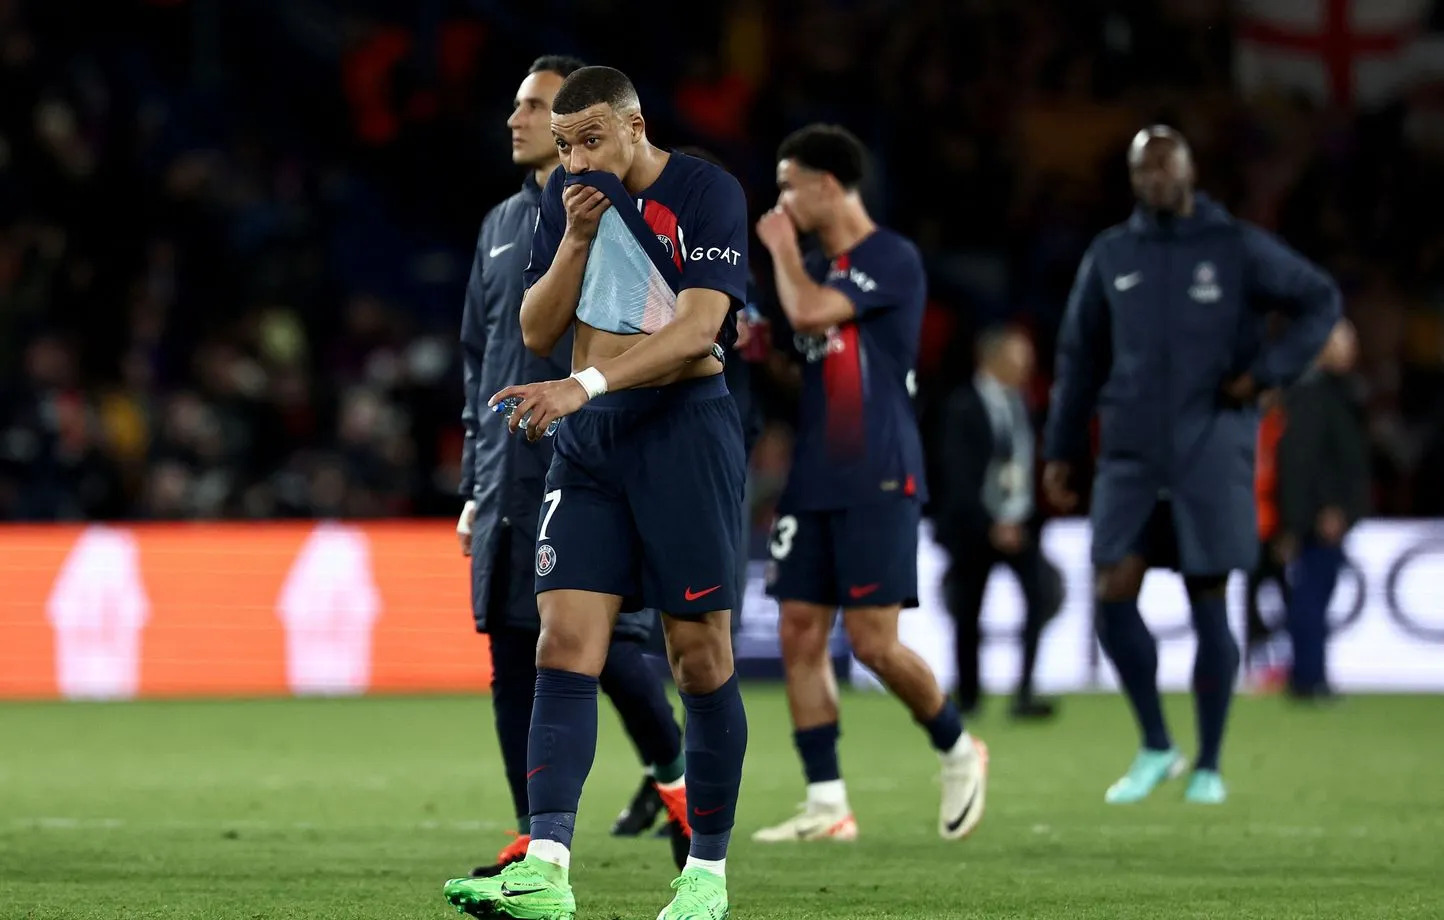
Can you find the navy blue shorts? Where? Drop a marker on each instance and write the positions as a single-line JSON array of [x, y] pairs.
[[643, 499], [862, 556]]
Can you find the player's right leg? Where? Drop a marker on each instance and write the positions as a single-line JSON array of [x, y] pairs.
[[803, 581], [585, 565], [1131, 647], [576, 629]]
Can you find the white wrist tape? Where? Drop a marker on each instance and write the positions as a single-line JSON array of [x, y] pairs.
[[592, 381]]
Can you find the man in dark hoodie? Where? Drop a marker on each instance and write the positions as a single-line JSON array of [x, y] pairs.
[[1164, 337]]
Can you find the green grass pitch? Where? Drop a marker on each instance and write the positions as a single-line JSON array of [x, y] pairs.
[[265, 810]]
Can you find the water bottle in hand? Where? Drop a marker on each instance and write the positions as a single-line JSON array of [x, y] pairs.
[[507, 406]]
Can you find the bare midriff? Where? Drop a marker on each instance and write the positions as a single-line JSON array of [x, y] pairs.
[[592, 347]]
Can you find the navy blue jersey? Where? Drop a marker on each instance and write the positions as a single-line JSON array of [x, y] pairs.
[[857, 439], [699, 216]]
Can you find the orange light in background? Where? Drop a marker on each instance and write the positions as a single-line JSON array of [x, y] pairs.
[[164, 610]]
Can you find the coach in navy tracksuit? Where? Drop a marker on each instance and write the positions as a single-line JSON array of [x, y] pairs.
[[1164, 337], [503, 479]]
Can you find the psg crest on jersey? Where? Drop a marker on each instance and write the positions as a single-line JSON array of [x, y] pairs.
[[546, 559]]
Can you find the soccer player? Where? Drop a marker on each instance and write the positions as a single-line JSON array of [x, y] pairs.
[[503, 480], [847, 530], [644, 253], [1164, 336]]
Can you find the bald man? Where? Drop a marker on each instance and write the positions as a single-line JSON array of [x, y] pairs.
[[1165, 339]]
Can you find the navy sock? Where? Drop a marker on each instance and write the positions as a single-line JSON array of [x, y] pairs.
[[513, 682], [1215, 667], [560, 749], [716, 740], [945, 728], [1131, 648], [636, 690], [818, 749]]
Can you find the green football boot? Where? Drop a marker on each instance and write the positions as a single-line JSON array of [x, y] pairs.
[[526, 890], [701, 895]]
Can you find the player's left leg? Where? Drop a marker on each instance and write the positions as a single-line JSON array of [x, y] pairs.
[[1215, 667], [685, 487], [700, 650], [873, 632]]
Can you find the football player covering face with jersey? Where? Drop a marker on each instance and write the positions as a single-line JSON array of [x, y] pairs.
[[643, 253], [847, 526]]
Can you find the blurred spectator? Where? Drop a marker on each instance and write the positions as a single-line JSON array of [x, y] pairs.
[[1323, 489], [986, 514]]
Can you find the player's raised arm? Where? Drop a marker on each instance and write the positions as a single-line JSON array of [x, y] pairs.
[[811, 308], [566, 225], [819, 179]]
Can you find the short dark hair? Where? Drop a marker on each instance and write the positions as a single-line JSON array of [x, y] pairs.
[[589, 86], [563, 65], [830, 149]]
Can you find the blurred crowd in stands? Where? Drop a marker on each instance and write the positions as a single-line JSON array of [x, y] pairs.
[[234, 236]]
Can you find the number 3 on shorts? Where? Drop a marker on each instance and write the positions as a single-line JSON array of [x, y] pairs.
[[552, 500], [782, 533]]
